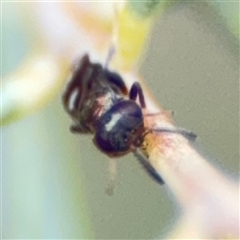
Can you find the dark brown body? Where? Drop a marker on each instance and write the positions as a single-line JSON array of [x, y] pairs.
[[94, 94], [99, 103], [96, 99]]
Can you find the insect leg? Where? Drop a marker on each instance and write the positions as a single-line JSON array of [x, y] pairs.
[[74, 83], [78, 129], [136, 90], [84, 75], [148, 167]]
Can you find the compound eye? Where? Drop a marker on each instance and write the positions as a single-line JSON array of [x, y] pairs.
[[112, 143]]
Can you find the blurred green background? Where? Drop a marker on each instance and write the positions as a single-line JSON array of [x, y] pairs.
[[53, 182]]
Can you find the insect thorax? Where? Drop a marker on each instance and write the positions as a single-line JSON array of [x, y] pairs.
[[95, 104]]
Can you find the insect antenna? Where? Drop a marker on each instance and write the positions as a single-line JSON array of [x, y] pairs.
[[113, 173], [148, 167], [191, 136], [110, 54], [114, 40]]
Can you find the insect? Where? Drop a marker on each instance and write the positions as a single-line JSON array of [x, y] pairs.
[[99, 103]]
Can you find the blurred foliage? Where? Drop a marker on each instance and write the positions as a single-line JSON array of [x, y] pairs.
[[148, 8], [230, 12]]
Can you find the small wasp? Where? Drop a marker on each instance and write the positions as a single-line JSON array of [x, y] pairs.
[[99, 103]]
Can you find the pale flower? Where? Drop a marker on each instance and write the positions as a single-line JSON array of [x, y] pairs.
[[59, 34]]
